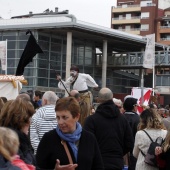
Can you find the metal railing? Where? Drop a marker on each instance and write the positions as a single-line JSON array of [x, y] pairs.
[[124, 18], [163, 80], [128, 6], [133, 60]]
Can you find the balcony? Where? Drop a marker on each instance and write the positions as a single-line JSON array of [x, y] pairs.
[[133, 60], [124, 20], [128, 8], [162, 84], [164, 29], [164, 41], [135, 31]]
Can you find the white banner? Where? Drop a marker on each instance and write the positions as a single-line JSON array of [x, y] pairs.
[[149, 56], [3, 54]]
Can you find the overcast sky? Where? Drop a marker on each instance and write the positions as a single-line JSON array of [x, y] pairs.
[[93, 11]]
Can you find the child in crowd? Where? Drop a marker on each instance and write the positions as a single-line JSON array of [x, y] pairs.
[[8, 148], [9, 144]]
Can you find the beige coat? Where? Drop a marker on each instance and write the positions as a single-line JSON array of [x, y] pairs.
[[142, 142]]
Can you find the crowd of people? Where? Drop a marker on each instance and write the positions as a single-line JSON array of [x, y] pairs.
[[45, 132]]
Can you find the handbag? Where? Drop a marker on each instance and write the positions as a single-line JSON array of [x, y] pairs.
[[67, 151], [150, 158]]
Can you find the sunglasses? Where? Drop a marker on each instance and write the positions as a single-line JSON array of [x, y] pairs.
[[136, 105]]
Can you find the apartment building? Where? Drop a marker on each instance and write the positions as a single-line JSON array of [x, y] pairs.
[[163, 28], [138, 17]]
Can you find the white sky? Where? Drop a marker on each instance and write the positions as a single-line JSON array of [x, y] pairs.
[[93, 11]]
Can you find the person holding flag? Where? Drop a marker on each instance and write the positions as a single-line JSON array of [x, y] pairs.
[[80, 82]]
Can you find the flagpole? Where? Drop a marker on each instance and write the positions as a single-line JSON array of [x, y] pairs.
[[142, 87], [153, 87], [6, 59], [153, 84]]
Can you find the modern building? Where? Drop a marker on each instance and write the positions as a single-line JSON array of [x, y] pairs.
[[102, 52]]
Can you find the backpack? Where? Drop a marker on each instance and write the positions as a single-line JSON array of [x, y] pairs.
[[150, 158]]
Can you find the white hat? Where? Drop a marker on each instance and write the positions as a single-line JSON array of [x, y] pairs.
[[128, 96]]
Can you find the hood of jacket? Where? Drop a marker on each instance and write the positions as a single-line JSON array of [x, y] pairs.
[[6, 165], [108, 109]]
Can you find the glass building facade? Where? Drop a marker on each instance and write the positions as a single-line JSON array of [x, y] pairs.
[[51, 35], [41, 72]]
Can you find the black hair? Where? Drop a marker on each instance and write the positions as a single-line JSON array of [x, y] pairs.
[[129, 103], [38, 93]]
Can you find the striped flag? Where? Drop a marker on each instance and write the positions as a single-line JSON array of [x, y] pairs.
[[3, 54], [149, 56], [137, 93]]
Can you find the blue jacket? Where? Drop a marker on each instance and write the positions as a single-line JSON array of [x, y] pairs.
[[6, 165]]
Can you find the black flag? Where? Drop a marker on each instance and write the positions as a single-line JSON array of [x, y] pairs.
[[31, 49]]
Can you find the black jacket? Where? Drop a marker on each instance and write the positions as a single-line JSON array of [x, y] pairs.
[[113, 134], [50, 149], [6, 165], [25, 149], [133, 119]]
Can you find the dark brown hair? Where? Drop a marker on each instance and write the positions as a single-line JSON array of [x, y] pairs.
[[68, 103]]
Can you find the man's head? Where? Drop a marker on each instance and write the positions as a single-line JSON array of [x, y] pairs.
[[24, 96], [48, 98], [75, 94], [74, 70], [104, 95], [37, 95], [130, 104]]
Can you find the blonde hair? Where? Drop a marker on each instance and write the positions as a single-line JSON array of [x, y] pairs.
[[149, 118], [166, 144], [9, 143]]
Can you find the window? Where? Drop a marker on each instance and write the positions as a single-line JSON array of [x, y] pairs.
[[145, 3], [120, 16], [127, 27], [124, 6], [145, 27], [144, 15], [128, 16]]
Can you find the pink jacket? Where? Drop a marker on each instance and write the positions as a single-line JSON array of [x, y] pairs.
[[21, 164]]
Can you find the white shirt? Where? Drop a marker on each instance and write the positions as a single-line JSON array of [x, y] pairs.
[[82, 82]]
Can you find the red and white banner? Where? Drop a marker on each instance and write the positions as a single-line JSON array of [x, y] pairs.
[[137, 93], [3, 54]]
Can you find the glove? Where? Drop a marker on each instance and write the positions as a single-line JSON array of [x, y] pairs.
[[58, 77]]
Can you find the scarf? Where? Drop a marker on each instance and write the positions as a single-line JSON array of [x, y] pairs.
[[71, 138]]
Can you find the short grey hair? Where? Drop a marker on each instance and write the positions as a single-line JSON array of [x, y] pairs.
[[51, 97], [105, 94]]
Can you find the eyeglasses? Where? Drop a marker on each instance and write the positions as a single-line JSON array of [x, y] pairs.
[[136, 105]]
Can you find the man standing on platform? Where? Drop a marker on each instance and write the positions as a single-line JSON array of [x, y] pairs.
[[80, 82]]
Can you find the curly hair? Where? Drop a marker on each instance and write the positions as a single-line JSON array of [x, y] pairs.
[[16, 114], [166, 144], [149, 118]]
